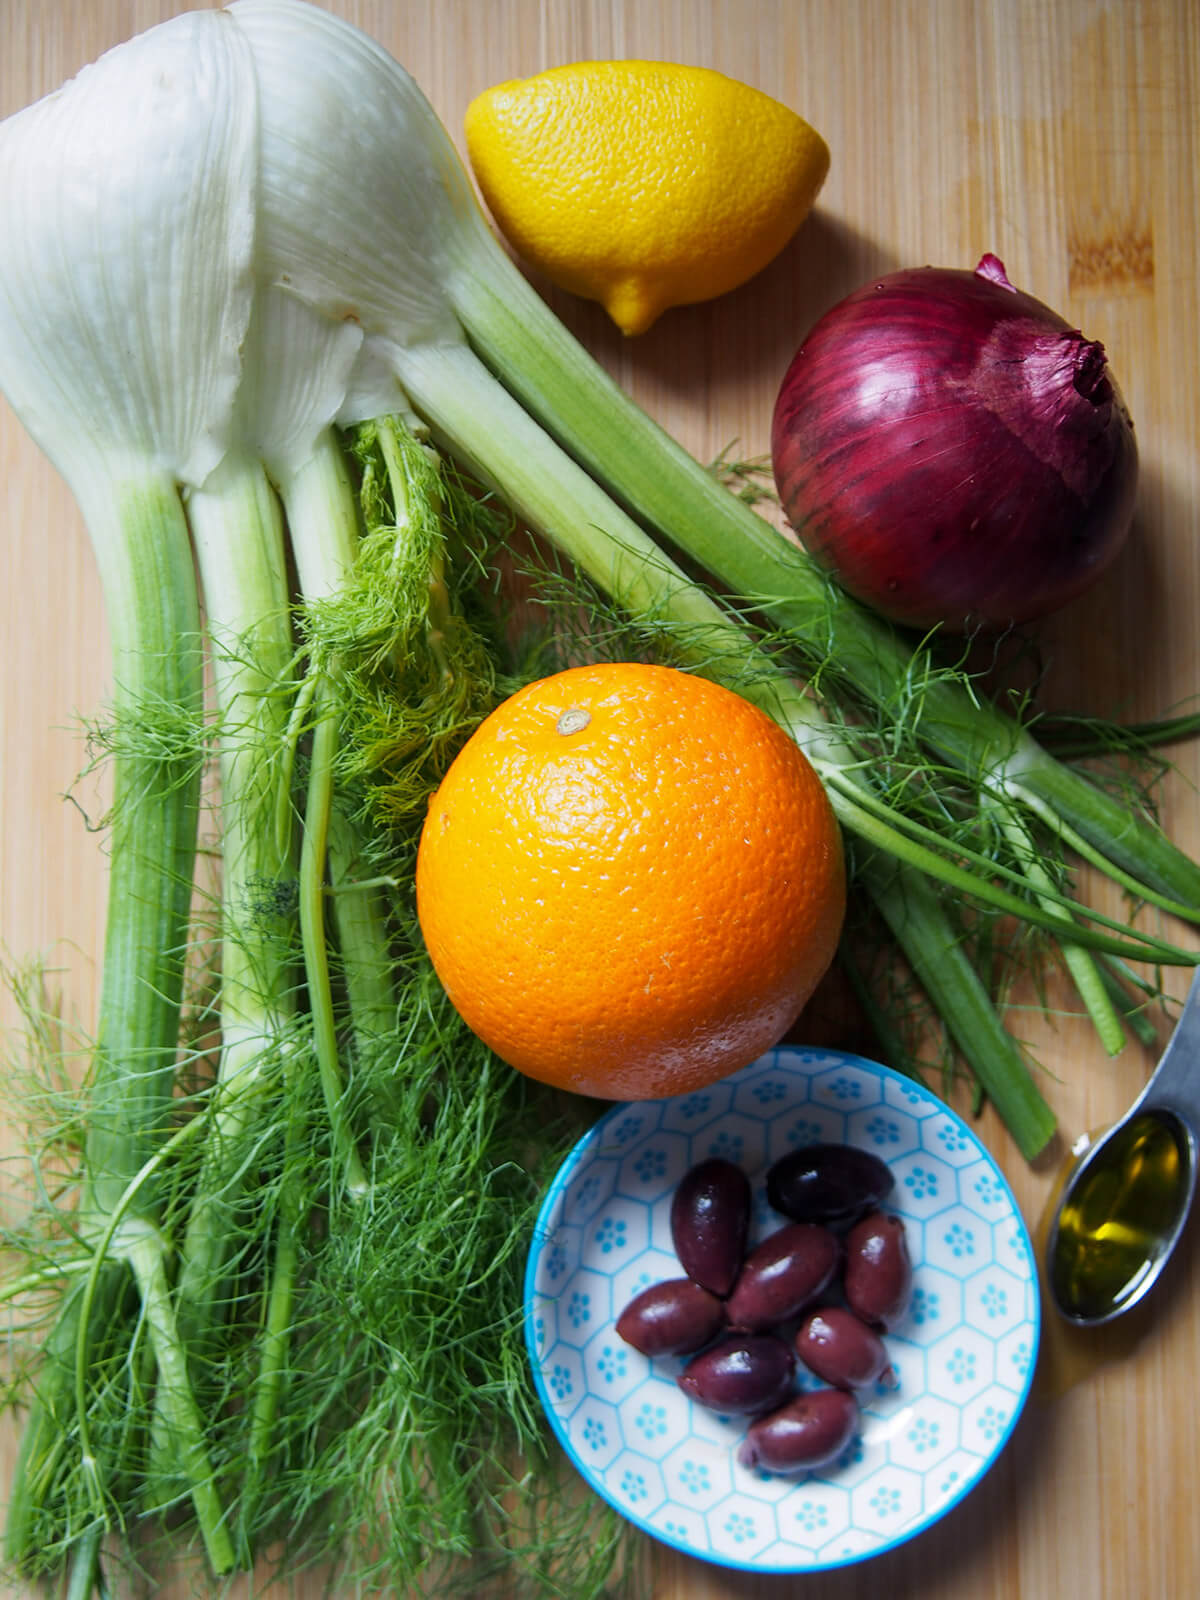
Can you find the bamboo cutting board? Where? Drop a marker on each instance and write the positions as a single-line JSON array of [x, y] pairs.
[[1066, 138]]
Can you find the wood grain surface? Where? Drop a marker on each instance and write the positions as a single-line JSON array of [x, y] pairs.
[[1065, 136]]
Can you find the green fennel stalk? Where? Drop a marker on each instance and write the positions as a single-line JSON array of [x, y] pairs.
[[324, 530], [237, 534], [146, 569]]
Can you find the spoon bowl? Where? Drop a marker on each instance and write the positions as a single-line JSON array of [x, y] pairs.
[[1121, 1215], [1125, 1205]]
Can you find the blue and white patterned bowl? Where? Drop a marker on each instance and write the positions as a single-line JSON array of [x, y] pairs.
[[964, 1354]]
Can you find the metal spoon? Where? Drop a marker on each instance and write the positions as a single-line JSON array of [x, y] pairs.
[[1124, 1207]]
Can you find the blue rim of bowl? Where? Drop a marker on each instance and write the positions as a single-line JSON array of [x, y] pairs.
[[544, 1233]]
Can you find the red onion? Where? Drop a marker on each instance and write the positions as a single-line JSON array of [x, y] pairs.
[[953, 451]]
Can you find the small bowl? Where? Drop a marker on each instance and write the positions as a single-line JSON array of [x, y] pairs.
[[964, 1355]]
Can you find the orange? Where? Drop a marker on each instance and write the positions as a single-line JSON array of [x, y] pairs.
[[630, 881]]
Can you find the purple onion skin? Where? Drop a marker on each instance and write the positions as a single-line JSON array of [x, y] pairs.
[[782, 1275], [671, 1319], [808, 1433], [710, 1218], [877, 1281], [953, 451], [743, 1374]]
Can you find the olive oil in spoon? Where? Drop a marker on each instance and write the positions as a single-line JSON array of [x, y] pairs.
[[1123, 1208], [1120, 1218]]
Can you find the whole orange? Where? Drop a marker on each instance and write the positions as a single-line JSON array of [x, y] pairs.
[[630, 881]]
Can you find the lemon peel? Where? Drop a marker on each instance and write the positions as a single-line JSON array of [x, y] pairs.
[[643, 184]]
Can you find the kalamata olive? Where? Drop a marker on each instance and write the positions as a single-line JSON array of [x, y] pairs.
[[753, 1372], [830, 1183], [878, 1276], [811, 1431], [710, 1216], [671, 1319], [782, 1275], [839, 1347]]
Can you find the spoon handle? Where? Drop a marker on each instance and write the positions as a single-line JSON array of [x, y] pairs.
[[1175, 1082]]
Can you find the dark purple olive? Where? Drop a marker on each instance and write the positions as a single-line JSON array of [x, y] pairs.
[[782, 1275], [811, 1431], [671, 1319], [710, 1217], [830, 1183], [839, 1347], [878, 1275], [742, 1374]]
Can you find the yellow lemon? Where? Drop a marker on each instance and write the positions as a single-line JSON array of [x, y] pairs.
[[643, 184]]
